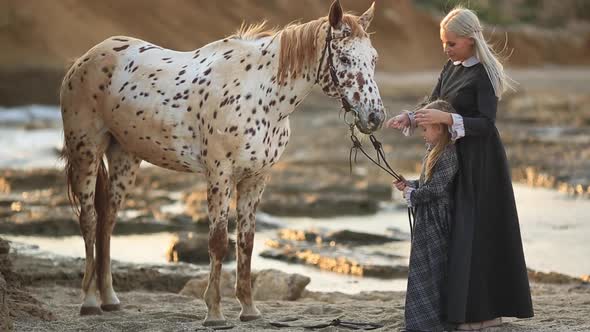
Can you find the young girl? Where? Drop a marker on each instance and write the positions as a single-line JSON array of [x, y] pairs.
[[431, 198]]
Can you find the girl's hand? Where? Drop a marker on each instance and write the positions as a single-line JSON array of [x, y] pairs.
[[400, 185], [398, 122], [428, 116], [406, 192]]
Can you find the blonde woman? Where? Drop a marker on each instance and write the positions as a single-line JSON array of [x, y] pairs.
[[487, 276]]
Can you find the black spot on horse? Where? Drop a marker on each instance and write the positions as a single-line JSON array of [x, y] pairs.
[[121, 48]]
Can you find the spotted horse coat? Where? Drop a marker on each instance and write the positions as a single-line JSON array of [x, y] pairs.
[[221, 110]]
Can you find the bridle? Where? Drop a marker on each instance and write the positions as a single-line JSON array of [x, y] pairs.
[[328, 50], [356, 143]]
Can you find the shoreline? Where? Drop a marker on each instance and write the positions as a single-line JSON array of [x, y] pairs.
[[56, 298]]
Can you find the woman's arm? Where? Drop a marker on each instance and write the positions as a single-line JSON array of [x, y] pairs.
[[442, 176], [487, 106]]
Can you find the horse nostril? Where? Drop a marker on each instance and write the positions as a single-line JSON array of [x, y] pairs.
[[372, 117], [375, 119]]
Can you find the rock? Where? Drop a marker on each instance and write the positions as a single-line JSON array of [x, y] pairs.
[[357, 238], [334, 259], [4, 247], [5, 321], [277, 285], [196, 287], [4, 186], [267, 284], [326, 252], [318, 205], [338, 237], [5, 264], [552, 278], [193, 247]]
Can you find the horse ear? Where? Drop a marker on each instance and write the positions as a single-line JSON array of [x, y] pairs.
[[367, 17], [335, 15]]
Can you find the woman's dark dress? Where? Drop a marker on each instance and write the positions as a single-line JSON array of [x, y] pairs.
[[487, 276]]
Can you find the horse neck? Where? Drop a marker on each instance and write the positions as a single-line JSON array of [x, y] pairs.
[[301, 85]]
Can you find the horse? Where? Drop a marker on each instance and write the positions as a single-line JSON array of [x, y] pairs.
[[221, 111]]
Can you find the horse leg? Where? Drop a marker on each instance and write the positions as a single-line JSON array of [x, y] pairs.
[[86, 177], [218, 199], [123, 168], [249, 192]]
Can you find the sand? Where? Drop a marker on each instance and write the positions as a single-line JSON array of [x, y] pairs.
[[557, 308]]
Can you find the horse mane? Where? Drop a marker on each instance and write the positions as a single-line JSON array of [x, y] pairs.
[[299, 42], [254, 31]]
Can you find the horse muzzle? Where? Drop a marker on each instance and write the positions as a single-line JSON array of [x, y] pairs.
[[371, 122]]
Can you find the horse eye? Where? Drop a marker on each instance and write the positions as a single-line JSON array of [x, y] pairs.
[[344, 60]]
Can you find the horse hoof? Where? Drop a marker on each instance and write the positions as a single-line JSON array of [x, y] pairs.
[[111, 307], [215, 322], [247, 318], [88, 311]]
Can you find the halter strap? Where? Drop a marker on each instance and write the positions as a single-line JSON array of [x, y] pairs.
[[328, 49]]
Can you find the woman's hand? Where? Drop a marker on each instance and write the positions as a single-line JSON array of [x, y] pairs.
[[398, 122], [428, 116]]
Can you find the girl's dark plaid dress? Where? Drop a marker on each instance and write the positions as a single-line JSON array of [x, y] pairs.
[[432, 201]]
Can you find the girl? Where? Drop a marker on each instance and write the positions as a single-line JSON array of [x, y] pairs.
[[431, 198], [487, 276]]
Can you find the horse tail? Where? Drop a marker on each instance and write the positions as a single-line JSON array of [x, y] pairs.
[[65, 155], [69, 172]]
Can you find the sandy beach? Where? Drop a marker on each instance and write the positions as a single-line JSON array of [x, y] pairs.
[[42, 294], [557, 308]]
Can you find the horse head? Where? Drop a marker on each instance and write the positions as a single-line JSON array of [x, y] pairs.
[[347, 67]]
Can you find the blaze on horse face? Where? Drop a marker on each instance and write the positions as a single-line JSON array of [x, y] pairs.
[[354, 60]]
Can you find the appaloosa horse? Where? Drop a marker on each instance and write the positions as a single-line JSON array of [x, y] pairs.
[[221, 110]]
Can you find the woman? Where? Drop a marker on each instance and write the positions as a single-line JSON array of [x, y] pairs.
[[487, 276]]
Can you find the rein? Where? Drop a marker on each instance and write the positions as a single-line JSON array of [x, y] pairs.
[[356, 143]]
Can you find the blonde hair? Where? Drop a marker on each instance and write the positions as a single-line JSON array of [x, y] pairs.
[[434, 154], [464, 23], [299, 42]]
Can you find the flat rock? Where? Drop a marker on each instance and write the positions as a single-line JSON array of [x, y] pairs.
[[193, 247], [268, 284]]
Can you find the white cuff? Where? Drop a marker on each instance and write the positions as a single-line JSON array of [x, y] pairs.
[[457, 130], [409, 131], [408, 195]]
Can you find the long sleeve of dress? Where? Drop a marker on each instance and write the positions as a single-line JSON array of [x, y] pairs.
[[487, 105], [442, 176]]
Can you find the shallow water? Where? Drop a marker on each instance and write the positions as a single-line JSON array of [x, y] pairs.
[[554, 226], [554, 230]]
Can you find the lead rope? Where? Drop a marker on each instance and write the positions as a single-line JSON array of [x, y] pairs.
[[356, 144]]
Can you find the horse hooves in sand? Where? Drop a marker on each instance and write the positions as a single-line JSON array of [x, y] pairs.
[[90, 311], [111, 307]]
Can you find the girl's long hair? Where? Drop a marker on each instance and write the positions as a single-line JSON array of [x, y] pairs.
[[464, 22], [444, 141]]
